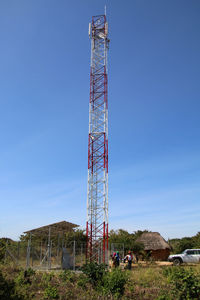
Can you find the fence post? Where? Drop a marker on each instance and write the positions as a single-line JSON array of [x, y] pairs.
[[74, 254], [62, 243], [32, 254], [58, 248], [49, 249], [50, 252], [28, 252]]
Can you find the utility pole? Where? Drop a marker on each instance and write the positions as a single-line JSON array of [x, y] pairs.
[[97, 195]]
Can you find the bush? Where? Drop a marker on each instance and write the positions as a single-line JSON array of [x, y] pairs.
[[67, 275], [94, 272], [103, 281], [114, 282], [82, 281], [9, 290], [29, 272], [51, 292], [185, 283], [163, 297], [47, 277], [22, 278], [6, 288]]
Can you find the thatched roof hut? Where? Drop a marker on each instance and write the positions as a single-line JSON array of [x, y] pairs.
[[154, 245]]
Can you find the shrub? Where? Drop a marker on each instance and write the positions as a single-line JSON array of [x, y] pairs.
[[94, 272], [185, 283], [23, 285], [24, 277], [51, 292], [114, 282], [20, 280], [47, 277], [82, 281], [105, 282], [163, 297], [29, 272], [6, 288], [67, 275]]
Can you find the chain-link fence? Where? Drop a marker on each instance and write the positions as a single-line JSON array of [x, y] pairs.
[[117, 247], [46, 255]]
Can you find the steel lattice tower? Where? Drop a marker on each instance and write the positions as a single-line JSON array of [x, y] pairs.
[[97, 196]]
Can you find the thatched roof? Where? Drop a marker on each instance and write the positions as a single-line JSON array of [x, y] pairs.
[[55, 228], [153, 241]]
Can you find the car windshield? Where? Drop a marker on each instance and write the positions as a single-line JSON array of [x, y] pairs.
[[184, 252]]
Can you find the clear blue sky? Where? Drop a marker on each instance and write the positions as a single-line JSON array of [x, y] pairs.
[[154, 105]]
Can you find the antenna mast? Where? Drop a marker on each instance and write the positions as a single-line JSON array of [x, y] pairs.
[[97, 195]]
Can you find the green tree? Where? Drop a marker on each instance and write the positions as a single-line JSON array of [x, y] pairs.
[[2, 248], [77, 235], [185, 243], [196, 240], [128, 239]]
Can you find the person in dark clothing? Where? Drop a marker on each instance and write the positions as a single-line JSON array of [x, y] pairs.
[[117, 259]]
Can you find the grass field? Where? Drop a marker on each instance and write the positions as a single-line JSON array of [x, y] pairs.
[[142, 282]]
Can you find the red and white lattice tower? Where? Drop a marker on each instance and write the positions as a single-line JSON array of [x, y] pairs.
[[97, 196]]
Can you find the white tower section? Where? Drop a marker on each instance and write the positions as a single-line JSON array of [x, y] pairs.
[[97, 196]]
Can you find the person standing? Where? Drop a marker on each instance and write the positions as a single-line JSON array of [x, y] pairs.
[[117, 259], [129, 259], [114, 259]]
